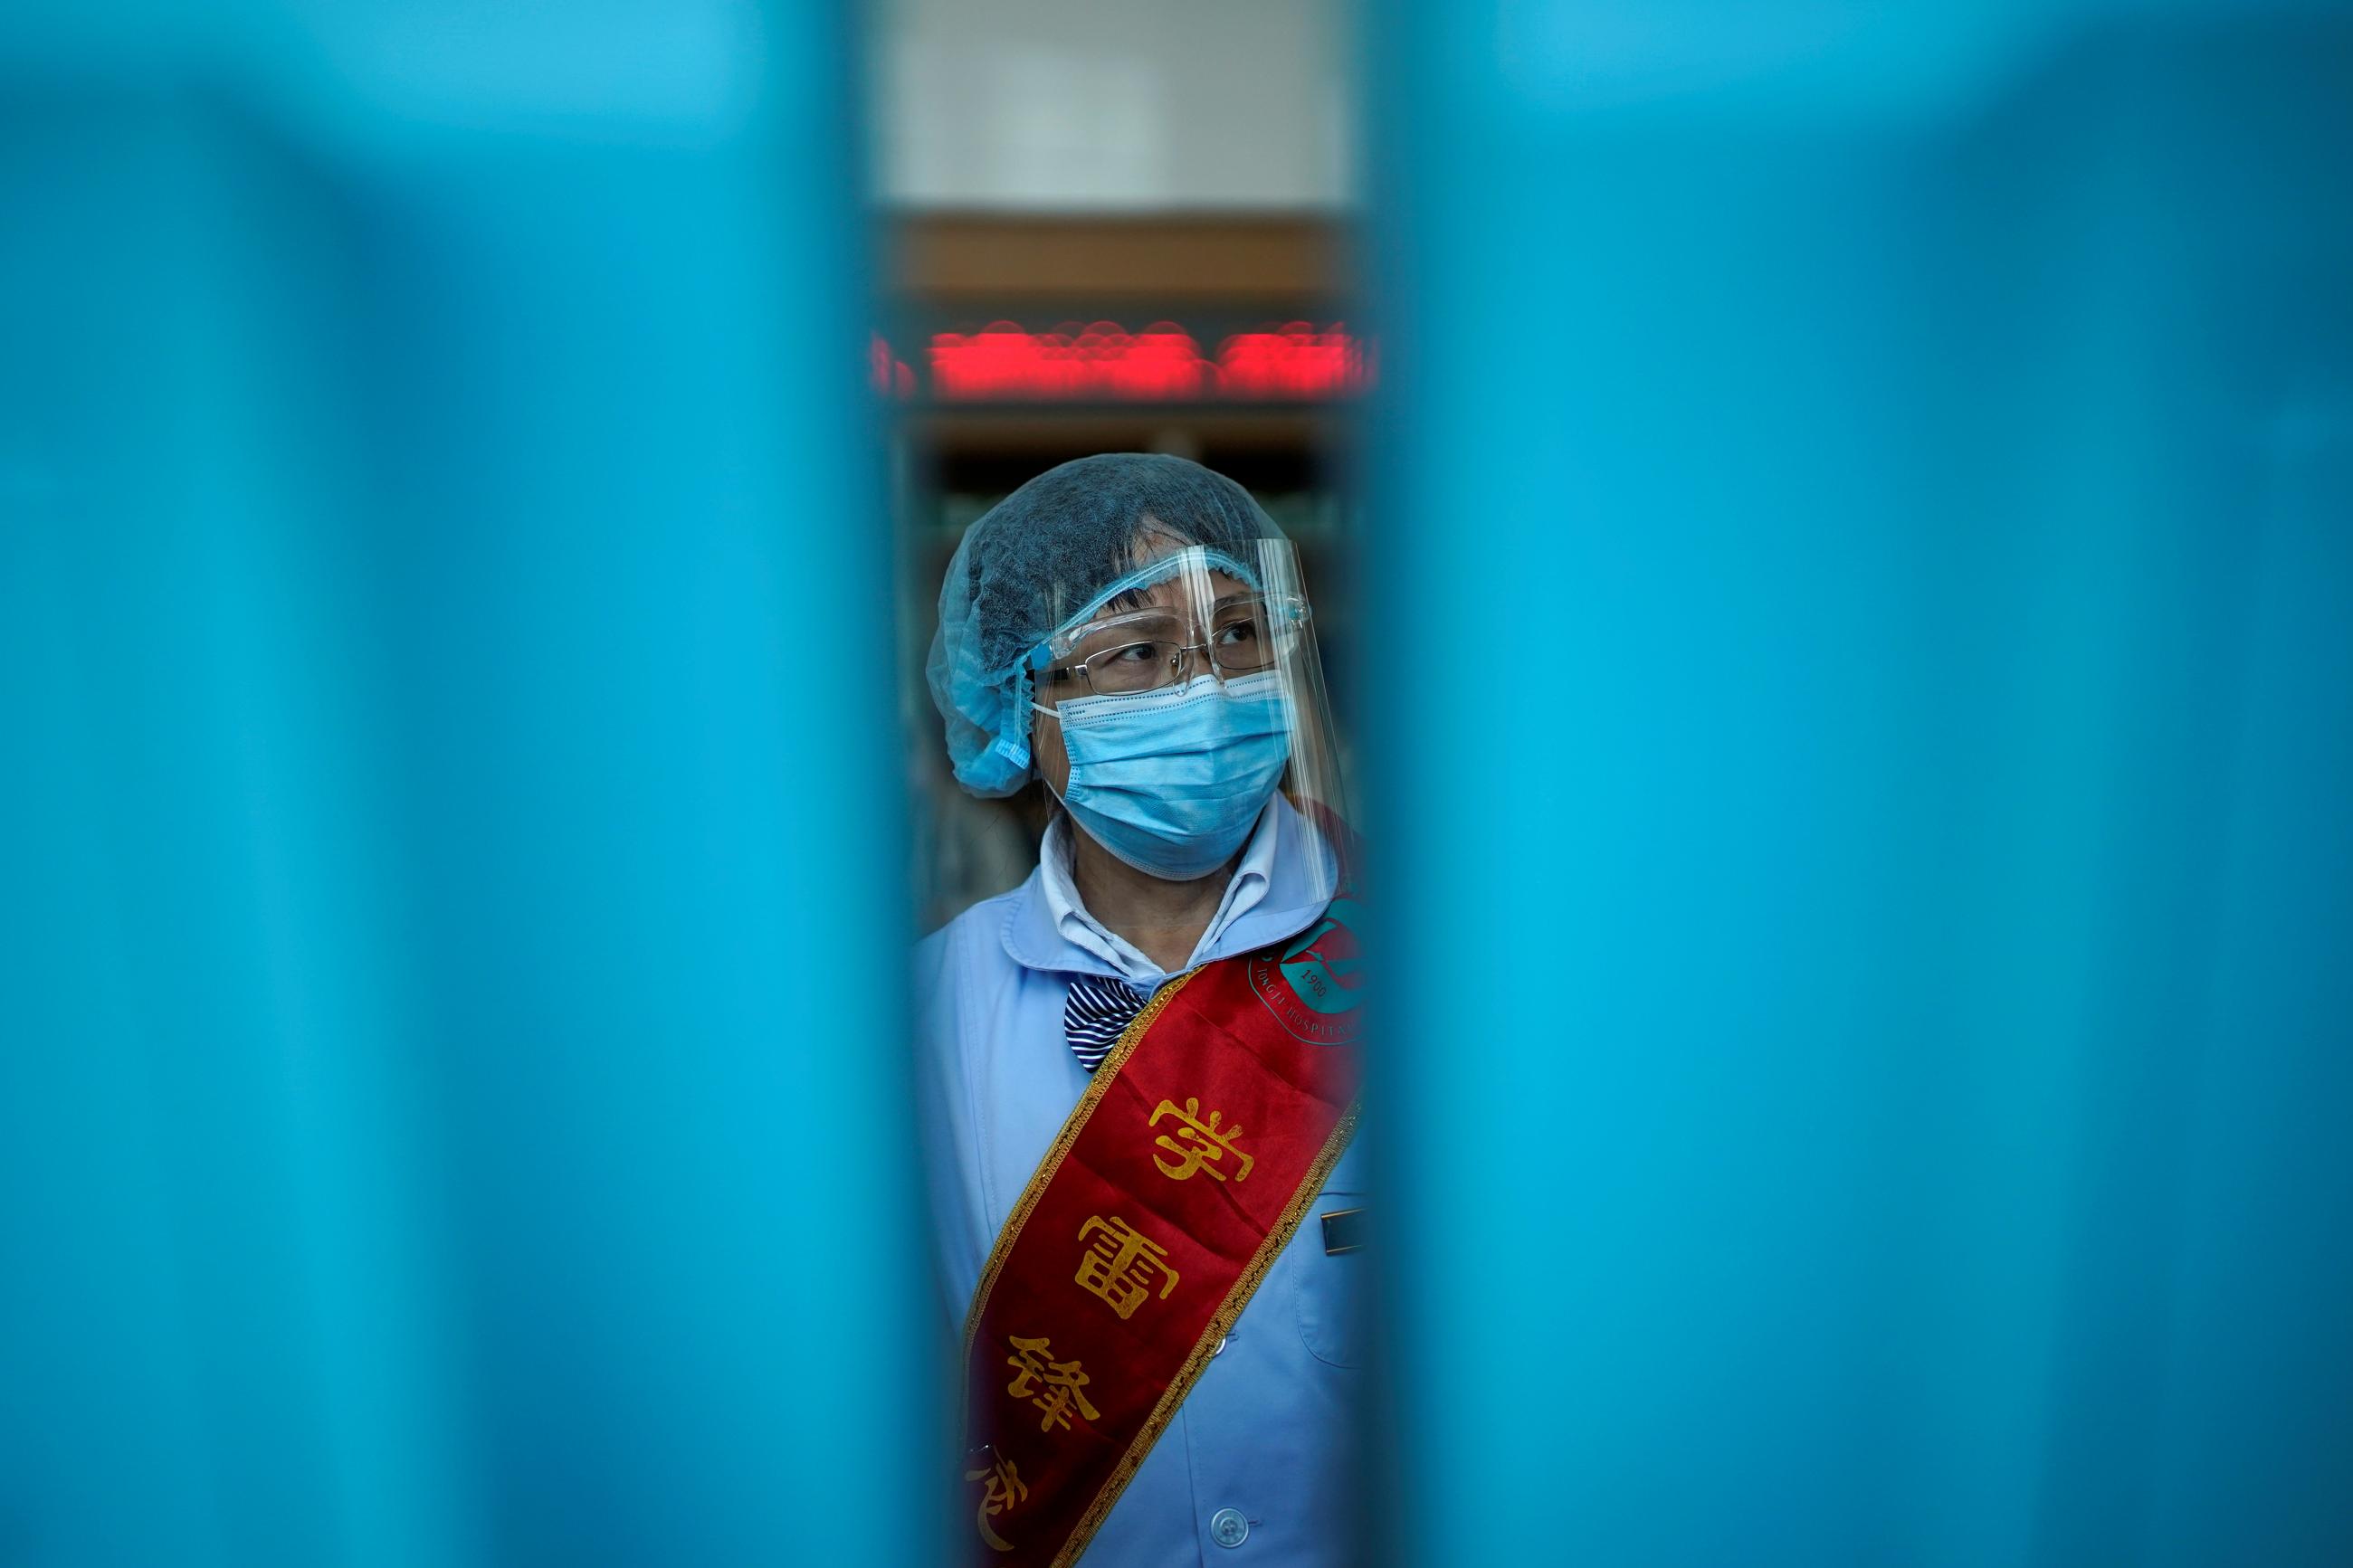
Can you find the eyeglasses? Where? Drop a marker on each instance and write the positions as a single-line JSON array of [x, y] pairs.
[[1146, 650]]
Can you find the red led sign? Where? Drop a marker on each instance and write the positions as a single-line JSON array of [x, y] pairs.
[[1105, 362]]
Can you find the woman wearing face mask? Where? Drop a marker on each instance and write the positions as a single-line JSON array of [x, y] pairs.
[[1137, 1069]]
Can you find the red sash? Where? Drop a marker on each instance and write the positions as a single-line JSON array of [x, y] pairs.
[[1165, 1199]]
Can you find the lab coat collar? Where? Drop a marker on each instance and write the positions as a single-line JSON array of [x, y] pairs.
[[1283, 849]]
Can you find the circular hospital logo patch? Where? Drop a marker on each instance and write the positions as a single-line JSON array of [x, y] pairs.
[[1313, 986]]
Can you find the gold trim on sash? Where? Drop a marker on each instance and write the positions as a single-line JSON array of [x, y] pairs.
[[1071, 1127], [1221, 1322]]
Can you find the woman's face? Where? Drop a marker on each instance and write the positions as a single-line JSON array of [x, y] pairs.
[[1177, 593]]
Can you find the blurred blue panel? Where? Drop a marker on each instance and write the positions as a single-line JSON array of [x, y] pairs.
[[1872, 896], [450, 948]]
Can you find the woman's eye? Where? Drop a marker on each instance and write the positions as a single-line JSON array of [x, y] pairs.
[[1240, 634], [1134, 653]]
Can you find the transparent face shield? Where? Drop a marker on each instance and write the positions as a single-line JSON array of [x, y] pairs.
[[1190, 706]]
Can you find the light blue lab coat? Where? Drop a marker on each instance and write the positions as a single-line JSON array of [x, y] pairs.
[[1268, 1432]]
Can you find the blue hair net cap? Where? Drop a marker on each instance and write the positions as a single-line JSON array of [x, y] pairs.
[[1054, 549]]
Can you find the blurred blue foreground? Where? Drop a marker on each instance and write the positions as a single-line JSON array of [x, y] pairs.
[[1868, 1034], [1872, 886], [449, 937]]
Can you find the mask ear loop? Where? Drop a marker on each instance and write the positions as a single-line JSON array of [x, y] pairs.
[[1030, 684], [1051, 793], [1032, 666]]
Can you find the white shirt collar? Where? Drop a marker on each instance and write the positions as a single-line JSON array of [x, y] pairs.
[[1244, 892]]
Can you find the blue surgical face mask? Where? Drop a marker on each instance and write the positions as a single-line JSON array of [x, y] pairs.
[[1170, 781]]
